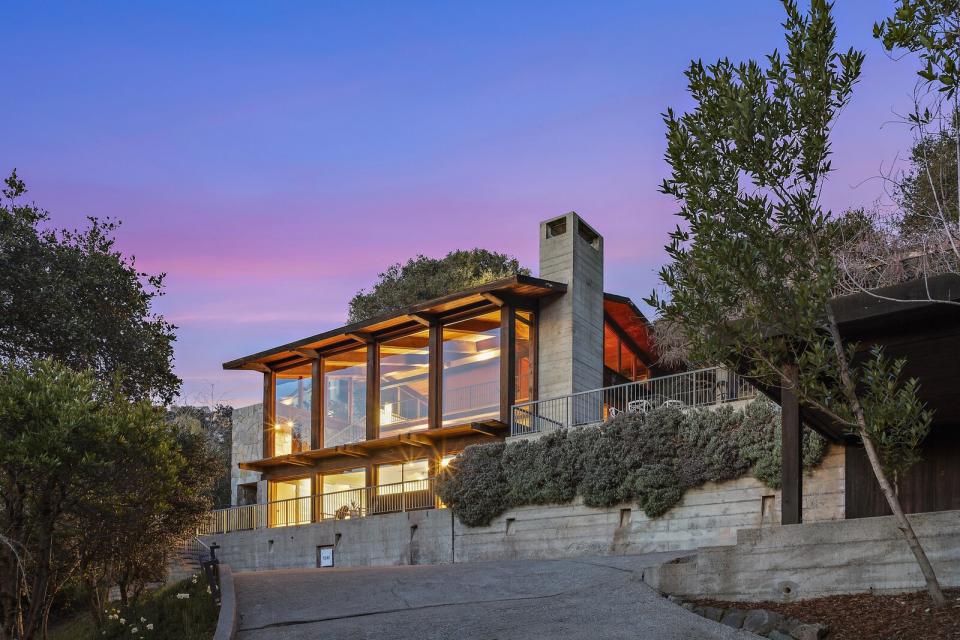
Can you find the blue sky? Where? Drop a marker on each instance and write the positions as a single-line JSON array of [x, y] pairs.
[[272, 158]]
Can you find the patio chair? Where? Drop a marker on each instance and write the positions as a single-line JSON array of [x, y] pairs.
[[639, 406]]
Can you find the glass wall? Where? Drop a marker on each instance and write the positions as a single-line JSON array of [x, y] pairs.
[[524, 361], [404, 383], [471, 369], [621, 362], [343, 494], [290, 502], [345, 397], [291, 430], [402, 476]]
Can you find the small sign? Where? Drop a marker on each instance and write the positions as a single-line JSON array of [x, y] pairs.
[[325, 556]]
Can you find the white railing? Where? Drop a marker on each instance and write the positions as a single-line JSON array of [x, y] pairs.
[[411, 495], [703, 387]]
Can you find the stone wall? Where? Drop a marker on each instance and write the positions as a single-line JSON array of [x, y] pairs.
[[810, 560], [708, 515], [247, 446]]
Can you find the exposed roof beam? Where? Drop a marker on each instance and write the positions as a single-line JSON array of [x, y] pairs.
[[365, 338], [423, 318], [497, 300], [307, 353]]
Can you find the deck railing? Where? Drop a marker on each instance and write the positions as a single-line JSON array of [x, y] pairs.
[[703, 387], [411, 495]]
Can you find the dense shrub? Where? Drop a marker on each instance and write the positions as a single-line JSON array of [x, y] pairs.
[[651, 459]]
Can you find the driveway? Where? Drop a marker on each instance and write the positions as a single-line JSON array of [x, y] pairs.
[[594, 597]]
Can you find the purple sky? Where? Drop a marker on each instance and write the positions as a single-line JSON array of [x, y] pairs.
[[272, 159]]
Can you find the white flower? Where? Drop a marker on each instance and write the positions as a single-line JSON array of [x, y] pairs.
[[150, 627], [208, 590], [183, 596], [194, 580], [123, 621], [134, 630], [142, 619]]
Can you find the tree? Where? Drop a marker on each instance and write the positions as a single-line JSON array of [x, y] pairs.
[[922, 239], [423, 278], [751, 273], [214, 424], [70, 295], [92, 487]]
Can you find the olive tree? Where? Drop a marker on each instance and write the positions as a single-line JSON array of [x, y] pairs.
[[751, 272]]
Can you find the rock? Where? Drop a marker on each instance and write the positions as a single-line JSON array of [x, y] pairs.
[[761, 621], [809, 631], [733, 618], [675, 600], [712, 613], [778, 635]]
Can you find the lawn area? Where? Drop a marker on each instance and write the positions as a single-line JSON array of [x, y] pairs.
[[180, 611]]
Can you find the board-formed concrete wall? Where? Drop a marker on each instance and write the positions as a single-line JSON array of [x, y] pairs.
[[810, 560], [708, 515]]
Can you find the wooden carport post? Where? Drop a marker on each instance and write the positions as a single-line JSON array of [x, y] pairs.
[[791, 451]]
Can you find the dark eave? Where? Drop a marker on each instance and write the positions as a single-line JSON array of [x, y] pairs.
[[514, 288]]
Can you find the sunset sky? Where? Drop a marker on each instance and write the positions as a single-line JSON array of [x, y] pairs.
[[272, 158]]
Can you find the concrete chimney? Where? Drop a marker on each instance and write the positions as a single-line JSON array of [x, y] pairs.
[[571, 325]]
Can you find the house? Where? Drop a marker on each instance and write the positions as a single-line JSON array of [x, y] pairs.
[[363, 416]]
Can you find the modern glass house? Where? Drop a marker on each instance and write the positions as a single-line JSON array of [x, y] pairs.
[[360, 419]]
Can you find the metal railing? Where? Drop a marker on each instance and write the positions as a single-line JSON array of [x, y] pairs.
[[411, 495], [703, 387]]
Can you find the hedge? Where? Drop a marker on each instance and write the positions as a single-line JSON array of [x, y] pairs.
[[649, 458]]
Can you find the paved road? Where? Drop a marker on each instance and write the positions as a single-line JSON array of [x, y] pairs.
[[558, 599]]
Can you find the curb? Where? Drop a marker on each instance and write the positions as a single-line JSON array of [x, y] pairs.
[[227, 622]]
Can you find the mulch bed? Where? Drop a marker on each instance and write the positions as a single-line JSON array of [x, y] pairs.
[[908, 616]]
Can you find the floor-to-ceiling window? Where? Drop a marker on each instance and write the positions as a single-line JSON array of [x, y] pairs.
[[471, 369], [343, 494], [291, 430], [345, 397], [290, 502], [524, 361], [403, 486], [620, 361], [404, 383]]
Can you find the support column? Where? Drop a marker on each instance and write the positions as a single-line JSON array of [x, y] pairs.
[[269, 411], [791, 451], [434, 376], [508, 359], [316, 405], [373, 390]]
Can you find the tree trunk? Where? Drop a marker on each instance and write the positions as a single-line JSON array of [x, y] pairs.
[[903, 524]]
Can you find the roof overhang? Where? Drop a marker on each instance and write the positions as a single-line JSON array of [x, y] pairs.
[[517, 289]]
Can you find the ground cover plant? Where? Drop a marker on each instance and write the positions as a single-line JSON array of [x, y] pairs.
[[650, 459]]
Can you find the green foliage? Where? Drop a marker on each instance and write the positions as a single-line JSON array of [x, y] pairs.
[[97, 490], [423, 278], [172, 618], [215, 426], [930, 28], [651, 459], [70, 295]]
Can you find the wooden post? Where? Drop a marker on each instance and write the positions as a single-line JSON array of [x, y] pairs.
[[508, 359], [373, 390], [791, 473], [316, 405], [269, 411], [435, 379]]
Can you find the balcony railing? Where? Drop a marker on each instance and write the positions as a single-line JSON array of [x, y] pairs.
[[703, 387], [411, 495]]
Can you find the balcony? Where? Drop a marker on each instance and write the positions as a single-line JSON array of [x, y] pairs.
[[701, 388], [412, 495]]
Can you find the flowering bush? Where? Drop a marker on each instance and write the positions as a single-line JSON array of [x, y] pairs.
[[651, 459], [181, 611]]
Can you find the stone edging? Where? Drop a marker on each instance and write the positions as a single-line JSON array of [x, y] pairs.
[[768, 624], [228, 619]]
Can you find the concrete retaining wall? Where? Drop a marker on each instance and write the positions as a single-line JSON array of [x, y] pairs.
[[709, 515], [816, 559]]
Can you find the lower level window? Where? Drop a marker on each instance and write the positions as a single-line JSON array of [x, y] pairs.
[[403, 477], [344, 494], [290, 502]]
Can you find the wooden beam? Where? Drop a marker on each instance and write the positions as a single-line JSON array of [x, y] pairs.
[[423, 318], [365, 338], [791, 502], [434, 372], [316, 405], [495, 299], [269, 411], [508, 359], [298, 461], [484, 429], [350, 450], [256, 366], [417, 440], [307, 353], [373, 391]]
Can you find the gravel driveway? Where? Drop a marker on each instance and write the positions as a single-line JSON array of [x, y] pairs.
[[594, 597]]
